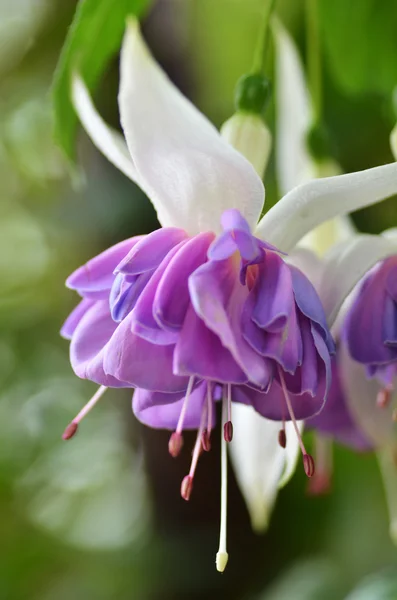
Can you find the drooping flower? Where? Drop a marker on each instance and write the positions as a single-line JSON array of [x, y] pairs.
[[203, 309]]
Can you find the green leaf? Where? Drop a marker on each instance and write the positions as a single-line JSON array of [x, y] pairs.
[[93, 39], [360, 42]]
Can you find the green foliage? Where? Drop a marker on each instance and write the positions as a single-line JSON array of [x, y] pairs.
[[93, 38], [361, 43]]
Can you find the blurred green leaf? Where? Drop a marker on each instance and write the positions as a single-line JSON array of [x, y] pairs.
[[94, 37], [379, 587], [361, 43]]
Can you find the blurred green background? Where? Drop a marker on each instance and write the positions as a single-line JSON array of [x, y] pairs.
[[101, 517]]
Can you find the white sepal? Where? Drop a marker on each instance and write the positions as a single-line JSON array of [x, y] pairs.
[[346, 264], [261, 466], [109, 141], [189, 172], [314, 202]]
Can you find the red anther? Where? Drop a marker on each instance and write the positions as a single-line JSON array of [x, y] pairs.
[[228, 431], [186, 487], [70, 431], [206, 441], [282, 438], [308, 465], [384, 396], [175, 444]]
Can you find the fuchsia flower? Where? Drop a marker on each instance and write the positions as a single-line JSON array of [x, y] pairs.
[[204, 309]]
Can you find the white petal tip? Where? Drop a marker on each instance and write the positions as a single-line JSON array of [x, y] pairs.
[[221, 561]]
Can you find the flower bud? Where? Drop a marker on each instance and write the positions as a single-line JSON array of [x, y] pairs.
[[248, 134]]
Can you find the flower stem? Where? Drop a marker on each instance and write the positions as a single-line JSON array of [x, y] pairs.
[[314, 57], [263, 40]]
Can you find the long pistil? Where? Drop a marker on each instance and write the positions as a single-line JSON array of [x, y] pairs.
[[72, 428], [222, 555], [308, 462]]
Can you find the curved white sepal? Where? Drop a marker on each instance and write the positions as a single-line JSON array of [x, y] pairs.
[[259, 462], [360, 392], [346, 264], [312, 203], [190, 173], [293, 161], [109, 141]]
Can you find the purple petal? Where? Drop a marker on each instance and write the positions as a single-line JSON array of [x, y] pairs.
[[233, 219], [143, 321], [138, 362], [364, 325], [309, 304], [336, 420], [274, 297], [125, 293], [200, 352], [88, 343], [285, 346], [69, 326], [272, 403], [163, 410], [150, 251], [172, 297], [218, 298], [96, 275]]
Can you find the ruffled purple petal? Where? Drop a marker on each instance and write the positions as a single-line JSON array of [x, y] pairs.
[[335, 419], [89, 340], [162, 411], [364, 325], [218, 300], [69, 326], [143, 322], [95, 278], [310, 305], [140, 363], [172, 296], [273, 292], [125, 293], [200, 352], [150, 251]]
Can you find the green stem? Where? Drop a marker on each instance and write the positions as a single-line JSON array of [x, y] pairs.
[[263, 40], [314, 57]]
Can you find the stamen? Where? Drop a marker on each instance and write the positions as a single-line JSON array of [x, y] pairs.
[[308, 462], [282, 438], [384, 396], [228, 426], [187, 482], [186, 487], [206, 437], [222, 555], [175, 443], [72, 428], [182, 416]]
